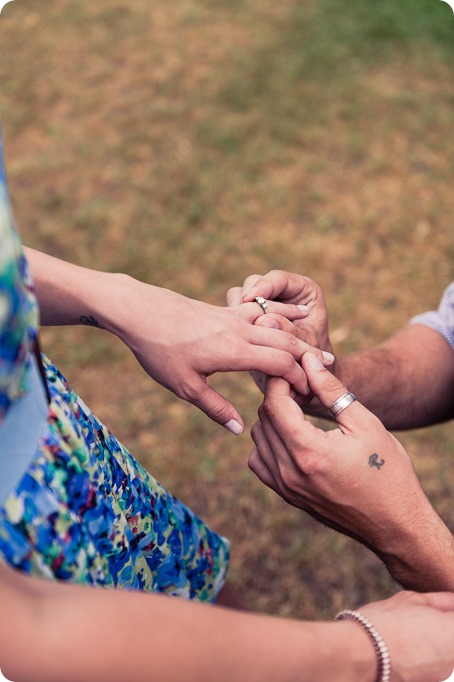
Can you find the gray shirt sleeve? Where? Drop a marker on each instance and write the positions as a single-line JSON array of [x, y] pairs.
[[441, 320]]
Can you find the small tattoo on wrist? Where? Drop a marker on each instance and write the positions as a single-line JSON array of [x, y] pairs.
[[89, 320], [375, 462]]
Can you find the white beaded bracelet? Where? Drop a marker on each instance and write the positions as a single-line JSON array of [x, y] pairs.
[[380, 648]]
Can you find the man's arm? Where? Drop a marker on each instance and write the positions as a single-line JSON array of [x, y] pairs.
[[407, 381], [357, 479]]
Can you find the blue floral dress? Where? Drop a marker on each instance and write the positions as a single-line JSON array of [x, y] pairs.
[[85, 510]]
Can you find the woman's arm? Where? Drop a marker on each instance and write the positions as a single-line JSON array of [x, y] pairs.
[[51, 632], [178, 341]]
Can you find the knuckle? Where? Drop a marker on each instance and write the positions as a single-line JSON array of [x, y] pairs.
[[314, 466], [288, 478], [267, 410], [187, 391], [252, 462], [287, 363], [331, 384], [292, 343], [255, 429], [217, 411], [275, 273]]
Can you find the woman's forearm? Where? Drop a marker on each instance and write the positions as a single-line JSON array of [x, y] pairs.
[[75, 633], [71, 294]]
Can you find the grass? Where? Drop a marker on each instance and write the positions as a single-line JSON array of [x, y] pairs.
[[190, 144]]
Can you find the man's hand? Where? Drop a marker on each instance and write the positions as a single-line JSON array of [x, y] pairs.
[[357, 479], [288, 287]]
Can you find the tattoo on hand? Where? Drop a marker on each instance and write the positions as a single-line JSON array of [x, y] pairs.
[[89, 320], [374, 462]]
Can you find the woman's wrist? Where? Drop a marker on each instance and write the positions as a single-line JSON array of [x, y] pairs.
[[70, 294], [383, 664], [343, 652]]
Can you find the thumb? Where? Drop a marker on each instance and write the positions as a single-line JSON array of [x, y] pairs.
[[218, 408], [327, 388]]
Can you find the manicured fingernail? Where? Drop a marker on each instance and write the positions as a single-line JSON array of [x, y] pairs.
[[303, 308], [328, 357], [314, 362], [269, 322], [234, 427]]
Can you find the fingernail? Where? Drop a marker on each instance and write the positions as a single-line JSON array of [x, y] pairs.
[[329, 357], [234, 427], [247, 292], [314, 362], [303, 308], [269, 322]]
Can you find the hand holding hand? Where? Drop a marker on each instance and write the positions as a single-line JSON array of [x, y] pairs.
[[288, 287], [180, 342], [419, 632], [357, 479]]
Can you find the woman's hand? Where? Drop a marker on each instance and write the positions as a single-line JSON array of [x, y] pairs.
[[357, 479], [180, 342], [419, 632]]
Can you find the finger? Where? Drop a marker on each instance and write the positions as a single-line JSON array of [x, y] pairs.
[[252, 311], [278, 363], [264, 454], [234, 297], [249, 282], [288, 421], [215, 406], [274, 362], [327, 388], [284, 341], [272, 321], [261, 470], [287, 286]]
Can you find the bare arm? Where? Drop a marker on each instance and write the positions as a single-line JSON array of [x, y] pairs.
[[357, 479], [407, 381], [51, 632], [74, 633]]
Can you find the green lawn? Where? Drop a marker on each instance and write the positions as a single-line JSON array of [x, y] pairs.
[[192, 143]]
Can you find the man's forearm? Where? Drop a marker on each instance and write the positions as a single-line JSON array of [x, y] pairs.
[[418, 551], [408, 381]]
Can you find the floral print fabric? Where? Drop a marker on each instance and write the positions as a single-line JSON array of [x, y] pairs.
[[85, 510], [18, 308]]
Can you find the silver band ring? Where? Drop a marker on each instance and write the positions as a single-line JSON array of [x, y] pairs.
[[262, 303], [341, 404]]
